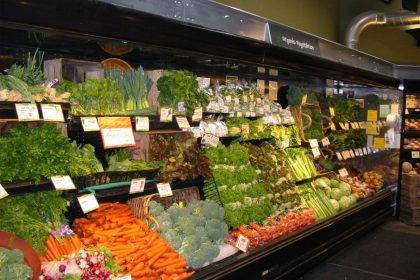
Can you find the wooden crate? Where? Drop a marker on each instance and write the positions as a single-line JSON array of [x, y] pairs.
[[410, 180], [70, 69], [410, 196], [410, 216]]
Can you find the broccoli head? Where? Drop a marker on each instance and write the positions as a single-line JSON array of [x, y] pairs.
[[155, 208], [206, 253], [216, 230], [212, 210]]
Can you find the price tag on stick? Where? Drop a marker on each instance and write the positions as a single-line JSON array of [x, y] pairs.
[[89, 123], [3, 192], [415, 154], [142, 123], [62, 183], [137, 185], [88, 203], [52, 112], [164, 189], [325, 142], [242, 243], [343, 172], [182, 122], [198, 114], [316, 152], [313, 143], [210, 140]]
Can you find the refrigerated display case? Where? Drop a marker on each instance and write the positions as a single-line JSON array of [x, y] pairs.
[[214, 41]]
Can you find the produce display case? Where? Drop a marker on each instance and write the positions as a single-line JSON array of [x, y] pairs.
[[158, 42]]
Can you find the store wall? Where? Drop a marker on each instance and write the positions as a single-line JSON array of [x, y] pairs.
[[330, 18]]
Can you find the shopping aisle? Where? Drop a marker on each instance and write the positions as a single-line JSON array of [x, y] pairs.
[[392, 251]]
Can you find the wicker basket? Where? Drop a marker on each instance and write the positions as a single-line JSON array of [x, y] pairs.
[[301, 118], [140, 205]]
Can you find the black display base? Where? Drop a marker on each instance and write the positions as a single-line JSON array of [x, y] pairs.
[[293, 255]]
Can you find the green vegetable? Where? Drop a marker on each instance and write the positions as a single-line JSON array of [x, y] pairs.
[[180, 86], [39, 153], [31, 73], [345, 188], [317, 200], [335, 204], [344, 202], [334, 183], [336, 193], [94, 97], [195, 231], [17, 216], [135, 85], [12, 265], [120, 160], [298, 161]]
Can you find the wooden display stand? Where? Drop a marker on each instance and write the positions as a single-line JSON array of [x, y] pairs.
[[410, 199]]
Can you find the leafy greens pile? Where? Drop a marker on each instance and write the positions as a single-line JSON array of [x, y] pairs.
[[40, 153], [18, 216], [12, 265], [243, 198], [180, 86]]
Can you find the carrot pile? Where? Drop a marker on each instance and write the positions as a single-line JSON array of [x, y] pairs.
[[137, 250], [57, 248]]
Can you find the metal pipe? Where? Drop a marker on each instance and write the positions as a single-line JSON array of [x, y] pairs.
[[362, 21]]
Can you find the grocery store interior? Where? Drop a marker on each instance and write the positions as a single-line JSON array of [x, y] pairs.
[[197, 139]]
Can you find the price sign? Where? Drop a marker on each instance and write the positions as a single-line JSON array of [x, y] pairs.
[[272, 90], [89, 123], [88, 203], [247, 114], [353, 125], [210, 140], [182, 122], [245, 98], [62, 183], [332, 126], [362, 125], [225, 109], [260, 111], [260, 70], [383, 110], [325, 142], [165, 114], [164, 189], [365, 151], [345, 154], [313, 143], [242, 243], [415, 154], [52, 112], [142, 123], [273, 72], [379, 142], [285, 143], [3, 192], [137, 185], [372, 129], [258, 100], [196, 131], [356, 152], [332, 112], [27, 112], [339, 156], [360, 152], [372, 115], [245, 129], [198, 114], [236, 101], [343, 172], [316, 152], [116, 132], [239, 114], [352, 153], [252, 114]]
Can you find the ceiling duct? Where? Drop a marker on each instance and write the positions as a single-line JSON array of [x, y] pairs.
[[362, 21]]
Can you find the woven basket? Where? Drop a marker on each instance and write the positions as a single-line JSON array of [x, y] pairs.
[[301, 118], [140, 205]]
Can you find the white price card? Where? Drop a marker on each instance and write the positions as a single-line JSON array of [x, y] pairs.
[[345, 154], [343, 172], [353, 125], [123, 277], [272, 90], [89, 123], [245, 98], [260, 111], [198, 114], [362, 125], [360, 152], [182, 122], [228, 99], [165, 114], [196, 132], [88, 203], [52, 112], [247, 114], [332, 112], [164, 189], [239, 114], [27, 112], [415, 154], [333, 127], [3, 192], [116, 132], [236, 101], [242, 243], [285, 143], [356, 152], [313, 143], [62, 183], [273, 72], [142, 123], [137, 185], [352, 153], [245, 129], [365, 151], [325, 141], [252, 114], [258, 100], [225, 109], [210, 140], [316, 152], [339, 156], [344, 126]]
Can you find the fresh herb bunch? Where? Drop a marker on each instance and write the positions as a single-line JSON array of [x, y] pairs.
[[39, 153], [120, 160], [180, 86], [94, 97], [352, 139], [31, 73], [296, 93], [17, 216], [345, 109], [315, 130]]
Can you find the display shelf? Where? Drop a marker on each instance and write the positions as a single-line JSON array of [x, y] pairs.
[[8, 110], [412, 133], [291, 255]]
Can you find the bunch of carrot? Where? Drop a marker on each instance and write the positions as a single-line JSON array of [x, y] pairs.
[[135, 248], [62, 246]]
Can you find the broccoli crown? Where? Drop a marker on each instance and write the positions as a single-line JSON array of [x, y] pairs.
[[12, 266], [155, 208], [12, 256], [216, 230]]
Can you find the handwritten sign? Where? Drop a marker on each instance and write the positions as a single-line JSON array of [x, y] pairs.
[[116, 132]]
